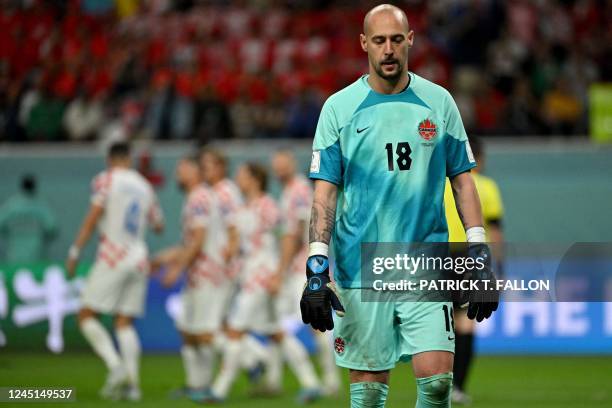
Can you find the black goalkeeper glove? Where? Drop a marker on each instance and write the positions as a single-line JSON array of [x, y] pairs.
[[320, 295], [482, 302]]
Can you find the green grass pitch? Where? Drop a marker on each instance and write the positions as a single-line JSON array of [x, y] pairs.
[[500, 382]]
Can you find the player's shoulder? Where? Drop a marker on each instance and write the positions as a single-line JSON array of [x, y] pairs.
[[102, 180], [226, 188], [203, 190], [134, 176], [429, 91], [346, 100]]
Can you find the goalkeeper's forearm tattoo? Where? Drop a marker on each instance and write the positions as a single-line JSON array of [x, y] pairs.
[[322, 219], [460, 211]]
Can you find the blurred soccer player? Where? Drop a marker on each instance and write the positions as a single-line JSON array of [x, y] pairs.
[[492, 213], [122, 205], [208, 287], [295, 205], [255, 306], [382, 150], [229, 198], [27, 224]]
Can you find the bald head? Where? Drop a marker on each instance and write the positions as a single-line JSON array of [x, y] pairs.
[[385, 11], [386, 38]]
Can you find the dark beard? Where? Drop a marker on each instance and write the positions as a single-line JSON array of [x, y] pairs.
[[390, 77]]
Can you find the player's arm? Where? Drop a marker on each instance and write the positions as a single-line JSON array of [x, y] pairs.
[[186, 256], [467, 201], [85, 232], [323, 215], [320, 294], [233, 243], [291, 242], [165, 257], [156, 217], [481, 303]]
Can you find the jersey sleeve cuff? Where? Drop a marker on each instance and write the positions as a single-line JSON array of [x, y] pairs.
[[462, 169], [318, 176]]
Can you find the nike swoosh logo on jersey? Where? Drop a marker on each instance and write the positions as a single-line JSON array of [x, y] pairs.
[[361, 130], [451, 338]]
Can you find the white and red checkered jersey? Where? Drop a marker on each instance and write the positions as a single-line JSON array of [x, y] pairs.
[[256, 222], [296, 205], [201, 210], [129, 204], [230, 201], [229, 198]]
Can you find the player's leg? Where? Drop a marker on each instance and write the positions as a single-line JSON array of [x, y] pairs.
[[130, 349], [298, 360], [247, 310], [230, 366], [195, 380], [198, 320], [325, 351], [365, 342], [99, 338], [369, 389], [427, 336], [257, 355], [100, 295], [464, 347], [288, 307], [206, 355], [131, 304], [433, 372], [292, 349]]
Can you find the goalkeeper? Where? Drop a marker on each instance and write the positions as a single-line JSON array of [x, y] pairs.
[[382, 150]]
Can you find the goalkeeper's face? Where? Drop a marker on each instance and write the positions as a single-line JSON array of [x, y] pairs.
[[386, 39]]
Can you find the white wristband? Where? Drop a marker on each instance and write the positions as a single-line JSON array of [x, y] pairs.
[[318, 248], [476, 235], [74, 252]]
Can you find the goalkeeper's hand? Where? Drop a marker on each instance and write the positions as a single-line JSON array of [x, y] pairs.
[[482, 302], [320, 295]]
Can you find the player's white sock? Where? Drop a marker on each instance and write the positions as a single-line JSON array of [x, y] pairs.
[[325, 349], [296, 355], [229, 368], [257, 352], [274, 367], [100, 340], [206, 356], [129, 345], [193, 375]]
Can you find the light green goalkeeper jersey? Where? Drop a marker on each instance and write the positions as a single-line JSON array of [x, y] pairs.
[[389, 155], [26, 227]]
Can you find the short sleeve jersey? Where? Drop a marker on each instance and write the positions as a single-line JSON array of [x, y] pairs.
[[389, 155], [129, 204]]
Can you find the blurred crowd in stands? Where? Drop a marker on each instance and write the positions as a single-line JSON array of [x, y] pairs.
[[163, 69]]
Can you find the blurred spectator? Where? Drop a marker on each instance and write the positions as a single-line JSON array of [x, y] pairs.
[[562, 108], [521, 115], [146, 167], [27, 225], [302, 115], [83, 117], [212, 117], [265, 69], [44, 118]]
